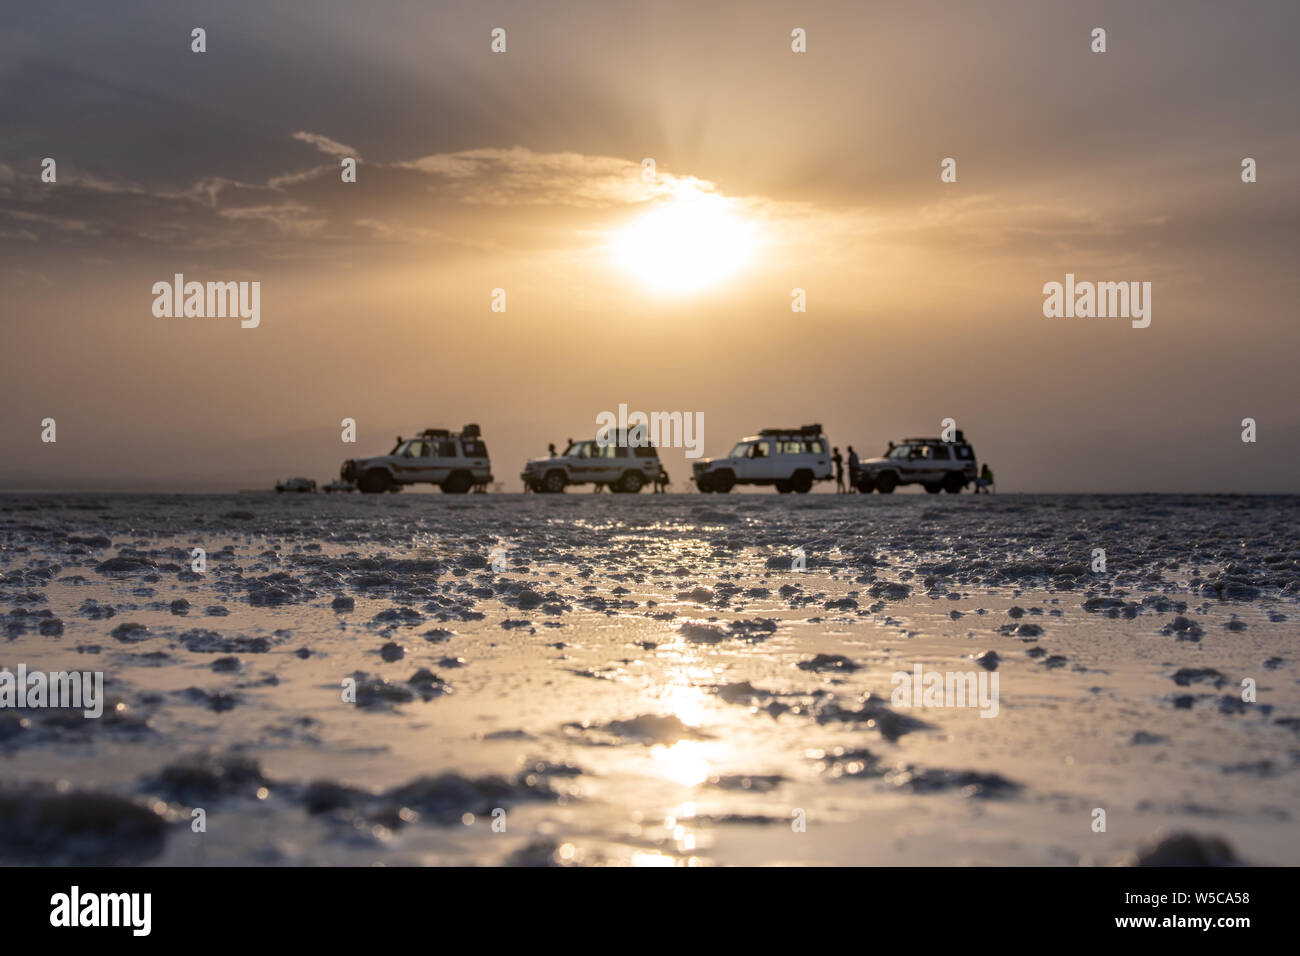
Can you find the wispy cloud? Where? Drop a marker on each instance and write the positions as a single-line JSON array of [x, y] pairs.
[[330, 147]]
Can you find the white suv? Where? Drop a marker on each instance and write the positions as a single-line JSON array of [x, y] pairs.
[[789, 458], [935, 464], [456, 462], [614, 464]]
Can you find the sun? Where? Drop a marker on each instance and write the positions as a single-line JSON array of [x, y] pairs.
[[689, 243]]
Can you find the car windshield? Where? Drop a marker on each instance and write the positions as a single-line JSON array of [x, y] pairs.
[[900, 451], [741, 450]]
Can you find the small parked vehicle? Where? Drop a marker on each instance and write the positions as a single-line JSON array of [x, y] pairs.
[[611, 463], [933, 463], [454, 461], [790, 459], [299, 485]]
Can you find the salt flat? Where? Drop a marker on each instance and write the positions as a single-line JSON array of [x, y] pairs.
[[647, 680]]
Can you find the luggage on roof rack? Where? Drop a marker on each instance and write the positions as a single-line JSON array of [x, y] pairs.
[[435, 433], [471, 431]]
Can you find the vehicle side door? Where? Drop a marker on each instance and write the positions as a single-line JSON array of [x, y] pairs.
[[764, 462], [443, 457], [646, 458], [582, 463], [409, 463], [616, 462], [916, 466], [819, 459], [941, 457], [474, 452]]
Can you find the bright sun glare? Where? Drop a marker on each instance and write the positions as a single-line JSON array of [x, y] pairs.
[[690, 243]]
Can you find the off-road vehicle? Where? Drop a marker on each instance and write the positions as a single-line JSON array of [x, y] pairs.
[[936, 464], [454, 461], [789, 458], [612, 462], [300, 485]]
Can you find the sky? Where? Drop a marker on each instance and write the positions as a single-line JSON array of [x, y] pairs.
[[773, 171]]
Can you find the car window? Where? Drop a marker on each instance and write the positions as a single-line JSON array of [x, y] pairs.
[[473, 448], [446, 449], [758, 450], [965, 453], [940, 453], [740, 451], [817, 447], [644, 451]]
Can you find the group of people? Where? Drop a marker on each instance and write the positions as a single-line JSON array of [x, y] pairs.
[[838, 459]]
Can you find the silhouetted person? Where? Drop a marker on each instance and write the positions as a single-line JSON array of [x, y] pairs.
[[838, 459], [551, 448], [853, 470], [985, 480], [661, 481]]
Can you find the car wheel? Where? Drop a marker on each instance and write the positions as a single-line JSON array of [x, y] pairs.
[[933, 487], [953, 483], [631, 483], [554, 482], [784, 487], [373, 482], [705, 484], [886, 483], [723, 482], [457, 483], [802, 482]]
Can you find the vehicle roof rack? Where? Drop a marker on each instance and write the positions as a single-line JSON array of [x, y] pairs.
[[619, 437], [469, 431], [958, 439], [801, 430]]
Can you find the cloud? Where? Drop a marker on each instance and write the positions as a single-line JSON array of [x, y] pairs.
[[329, 147], [468, 197], [496, 200]]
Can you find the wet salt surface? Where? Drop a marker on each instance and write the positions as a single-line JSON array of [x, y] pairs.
[[649, 681]]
